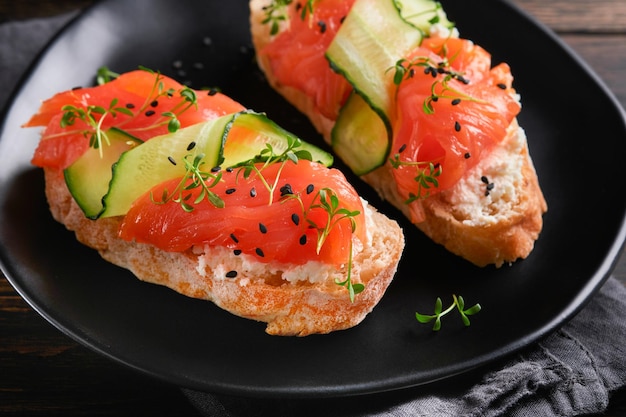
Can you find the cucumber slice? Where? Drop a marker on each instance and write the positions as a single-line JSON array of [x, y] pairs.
[[88, 177], [359, 136], [423, 14], [145, 166], [257, 132], [372, 38]]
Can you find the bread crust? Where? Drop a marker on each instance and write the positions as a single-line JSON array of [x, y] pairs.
[[514, 226], [301, 308]]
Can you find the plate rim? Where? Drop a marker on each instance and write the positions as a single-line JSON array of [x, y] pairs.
[[575, 305]]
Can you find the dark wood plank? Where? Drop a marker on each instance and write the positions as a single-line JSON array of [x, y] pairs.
[[43, 372], [594, 16], [26, 9], [606, 56]]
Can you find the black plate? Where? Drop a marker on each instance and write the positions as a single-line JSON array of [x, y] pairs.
[[577, 136]]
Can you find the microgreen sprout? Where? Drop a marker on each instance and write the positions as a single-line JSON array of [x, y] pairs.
[[194, 178], [104, 75], [94, 116], [189, 99], [307, 8], [97, 137], [325, 199], [353, 288], [275, 13], [329, 202], [426, 176], [405, 69], [457, 303], [268, 156]]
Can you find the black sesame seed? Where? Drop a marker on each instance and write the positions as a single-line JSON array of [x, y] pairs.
[[150, 113], [253, 192], [302, 240], [213, 91], [231, 274], [457, 126], [171, 159], [78, 87], [286, 190], [237, 252], [130, 106], [487, 193], [501, 86], [435, 98], [191, 146], [259, 252], [322, 26], [490, 186], [234, 238], [230, 169], [463, 79], [216, 169], [455, 101], [310, 188], [262, 228], [402, 148], [230, 190], [484, 179], [467, 155], [154, 103], [295, 219]]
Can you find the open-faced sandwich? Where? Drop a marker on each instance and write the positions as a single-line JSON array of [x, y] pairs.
[[190, 190], [413, 109]]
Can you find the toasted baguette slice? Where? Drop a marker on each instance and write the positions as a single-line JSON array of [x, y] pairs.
[[497, 228], [261, 292]]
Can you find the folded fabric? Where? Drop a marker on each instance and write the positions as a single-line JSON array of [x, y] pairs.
[[20, 41], [571, 372]]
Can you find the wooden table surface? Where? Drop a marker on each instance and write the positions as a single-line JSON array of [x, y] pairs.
[[43, 372]]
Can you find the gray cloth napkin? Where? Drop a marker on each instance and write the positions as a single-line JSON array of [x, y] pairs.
[[571, 372], [20, 41]]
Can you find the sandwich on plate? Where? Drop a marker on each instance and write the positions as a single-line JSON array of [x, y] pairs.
[[189, 189], [418, 112]]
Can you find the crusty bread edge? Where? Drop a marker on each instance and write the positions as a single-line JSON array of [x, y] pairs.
[[482, 244], [288, 309]]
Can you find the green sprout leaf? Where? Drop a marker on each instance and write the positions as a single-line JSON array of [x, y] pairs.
[[426, 174], [325, 199], [194, 178], [93, 116], [458, 304]]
